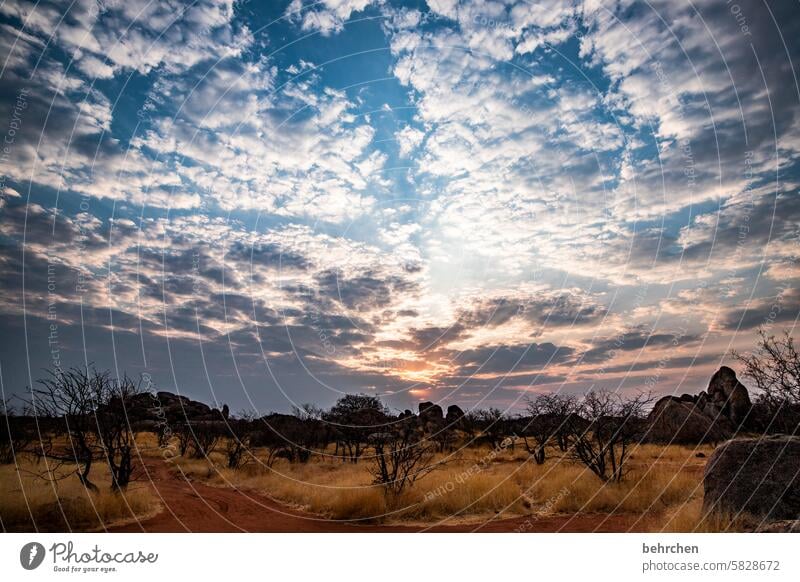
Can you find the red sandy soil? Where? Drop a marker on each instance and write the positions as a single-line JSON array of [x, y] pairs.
[[188, 506]]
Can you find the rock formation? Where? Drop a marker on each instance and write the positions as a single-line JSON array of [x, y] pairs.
[[679, 422], [709, 417], [431, 412], [727, 396], [755, 476]]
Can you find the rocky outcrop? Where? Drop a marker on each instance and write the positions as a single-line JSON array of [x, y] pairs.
[[755, 476], [677, 421], [431, 412], [726, 397], [709, 417], [173, 407], [179, 406]]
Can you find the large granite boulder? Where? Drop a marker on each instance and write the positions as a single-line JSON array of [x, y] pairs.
[[431, 412], [181, 407], [676, 421], [728, 396], [709, 417], [755, 476], [169, 407]]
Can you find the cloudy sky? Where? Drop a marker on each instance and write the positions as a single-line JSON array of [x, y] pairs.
[[271, 203]]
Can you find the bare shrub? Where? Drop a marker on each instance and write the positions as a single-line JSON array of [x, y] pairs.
[[115, 427], [205, 437], [402, 456], [237, 446], [493, 424], [774, 368], [185, 437], [64, 403], [547, 422], [85, 417], [602, 430]]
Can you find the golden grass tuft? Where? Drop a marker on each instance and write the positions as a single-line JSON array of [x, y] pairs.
[[658, 477], [690, 517]]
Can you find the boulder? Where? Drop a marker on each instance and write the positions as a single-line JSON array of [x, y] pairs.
[[166, 406], [676, 421], [709, 417], [454, 414], [729, 396], [431, 412], [755, 476]]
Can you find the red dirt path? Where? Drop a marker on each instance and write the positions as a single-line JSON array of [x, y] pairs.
[[188, 506]]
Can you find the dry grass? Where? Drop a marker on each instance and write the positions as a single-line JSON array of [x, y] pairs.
[[664, 487], [467, 485], [30, 503], [473, 484], [690, 517], [335, 490]]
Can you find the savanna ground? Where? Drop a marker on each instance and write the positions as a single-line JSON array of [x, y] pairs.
[[474, 489]]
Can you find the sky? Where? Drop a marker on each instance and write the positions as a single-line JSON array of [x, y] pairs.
[[470, 202]]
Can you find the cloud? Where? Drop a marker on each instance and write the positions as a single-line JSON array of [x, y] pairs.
[[507, 359], [604, 349], [365, 291], [327, 16], [135, 35], [316, 162], [553, 308], [782, 309]]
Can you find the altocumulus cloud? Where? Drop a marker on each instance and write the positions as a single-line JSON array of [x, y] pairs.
[[446, 199]]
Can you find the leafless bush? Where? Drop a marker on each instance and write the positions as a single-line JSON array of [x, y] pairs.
[[65, 403], [774, 368], [237, 446], [183, 433], [115, 422], [85, 417], [547, 424], [602, 430], [205, 437], [402, 456], [493, 424]]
